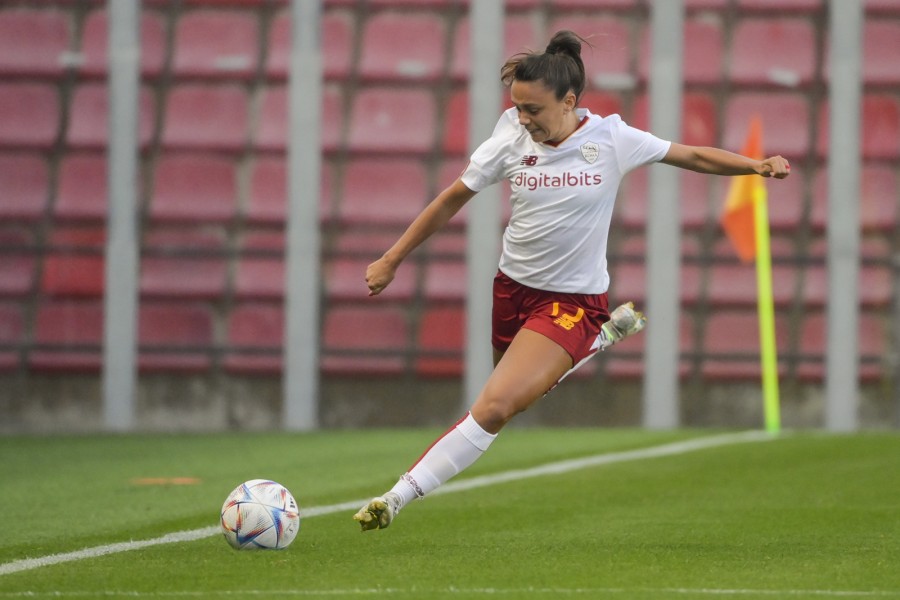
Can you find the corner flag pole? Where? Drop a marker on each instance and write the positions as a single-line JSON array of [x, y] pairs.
[[766, 310], [745, 220]]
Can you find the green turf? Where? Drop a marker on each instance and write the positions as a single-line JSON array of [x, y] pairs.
[[806, 516]]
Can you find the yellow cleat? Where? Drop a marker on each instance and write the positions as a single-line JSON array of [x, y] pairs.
[[623, 321], [377, 513]]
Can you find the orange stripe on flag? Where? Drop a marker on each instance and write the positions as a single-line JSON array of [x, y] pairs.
[[737, 217]]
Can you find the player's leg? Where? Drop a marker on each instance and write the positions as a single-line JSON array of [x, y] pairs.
[[530, 366]]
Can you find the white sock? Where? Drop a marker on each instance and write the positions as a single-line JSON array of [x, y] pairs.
[[453, 452]]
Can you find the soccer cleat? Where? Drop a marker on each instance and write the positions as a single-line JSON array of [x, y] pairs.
[[378, 512], [623, 321]]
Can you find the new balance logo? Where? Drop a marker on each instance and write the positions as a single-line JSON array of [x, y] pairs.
[[564, 320], [529, 160]]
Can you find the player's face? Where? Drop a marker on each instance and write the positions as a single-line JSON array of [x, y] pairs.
[[546, 118]]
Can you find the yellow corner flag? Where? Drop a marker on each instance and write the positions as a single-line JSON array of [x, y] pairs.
[[745, 220], [738, 218]]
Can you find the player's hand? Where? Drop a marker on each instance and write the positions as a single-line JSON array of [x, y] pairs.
[[776, 166], [378, 275]]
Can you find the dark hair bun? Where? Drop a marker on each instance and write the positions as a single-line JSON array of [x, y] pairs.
[[565, 42]]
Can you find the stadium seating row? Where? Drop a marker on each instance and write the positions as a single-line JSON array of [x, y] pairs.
[[178, 337], [404, 121], [194, 188], [185, 264], [211, 43]]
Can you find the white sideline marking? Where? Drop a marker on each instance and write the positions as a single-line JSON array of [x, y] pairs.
[[556, 468]]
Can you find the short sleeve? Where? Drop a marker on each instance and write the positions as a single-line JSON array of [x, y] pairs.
[[635, 147], [487, 165]]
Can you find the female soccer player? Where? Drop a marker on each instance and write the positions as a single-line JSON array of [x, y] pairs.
[[564, 165]]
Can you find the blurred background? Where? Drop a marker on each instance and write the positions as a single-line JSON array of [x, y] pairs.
[[212, 135]]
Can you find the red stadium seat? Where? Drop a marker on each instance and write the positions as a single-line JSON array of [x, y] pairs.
[[218, 3], [33, 43], [442, 338], [193, 188], [29, 115], [456, 122], [345, 280], [17, 271], [446, 281], [734, 285], [612, 42], [174, 337], [89, 120], [601, 103], [363, 243], [382, 58], [768, 6], [370, 340], [706, 4], [698, 119], [273, 127], [206, 117], [260, 272], [875, 280], [880, 127], [216, 44], [431, 4], [383, 192], [448, 244], [625, 360], [873, 343], [883, 7], [165, 274], [703, 52], [337, 45], [881, 41], [628, 278], [255, 339], [82, 194], [785, 121], [95, 44], [69, 335], [693, 199], [519, 35], [774, 52], [392, 120], [875, 286], [582, 4], [877, 199], [73, 268], [24, 187], [880, 46], [731, 345], [267, 203], [12, 331]]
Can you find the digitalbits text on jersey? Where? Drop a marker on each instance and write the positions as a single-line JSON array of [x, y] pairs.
[[565, 179]]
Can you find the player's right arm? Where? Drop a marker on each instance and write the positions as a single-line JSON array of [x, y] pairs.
[[381, 272]]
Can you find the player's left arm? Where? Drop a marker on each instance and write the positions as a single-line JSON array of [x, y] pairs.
[[716, 161]]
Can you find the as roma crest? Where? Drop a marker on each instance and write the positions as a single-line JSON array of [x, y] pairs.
[[590, 151]]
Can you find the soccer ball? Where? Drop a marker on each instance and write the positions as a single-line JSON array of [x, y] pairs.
[[260, 514]]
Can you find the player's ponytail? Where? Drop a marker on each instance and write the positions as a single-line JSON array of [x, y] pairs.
[[560, 66]]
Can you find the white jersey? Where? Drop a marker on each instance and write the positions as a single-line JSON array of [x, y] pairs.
[[562, 197]]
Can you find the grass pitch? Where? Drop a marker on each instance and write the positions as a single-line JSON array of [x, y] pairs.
[[803, 516]]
